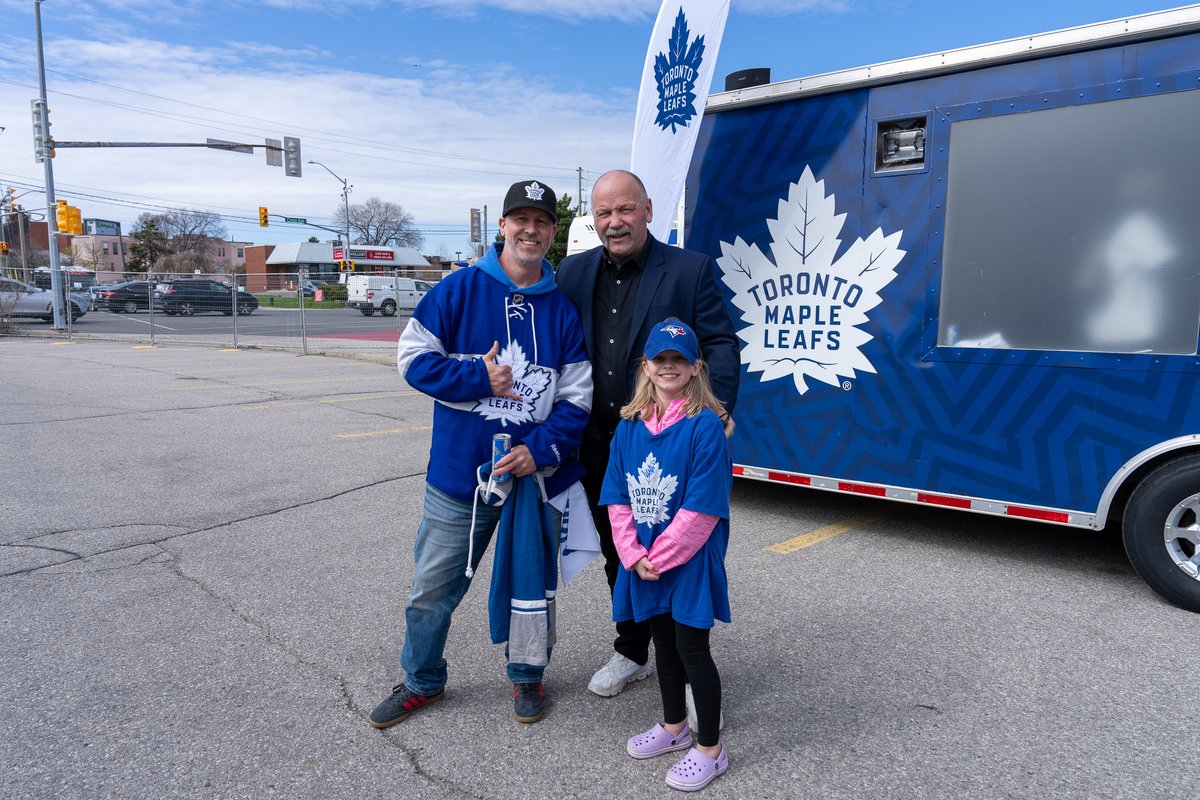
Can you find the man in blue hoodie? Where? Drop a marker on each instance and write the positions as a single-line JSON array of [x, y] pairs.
[[500, 350]]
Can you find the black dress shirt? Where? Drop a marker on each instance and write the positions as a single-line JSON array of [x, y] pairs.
[[612, 318]]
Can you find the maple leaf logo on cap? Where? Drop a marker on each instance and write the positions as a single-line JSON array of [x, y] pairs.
[[534, 191]]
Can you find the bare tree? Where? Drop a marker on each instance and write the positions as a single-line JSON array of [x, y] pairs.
[[90, 253], [380, 222], [189, 237]]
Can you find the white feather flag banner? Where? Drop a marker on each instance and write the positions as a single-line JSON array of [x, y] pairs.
[[675, 81]]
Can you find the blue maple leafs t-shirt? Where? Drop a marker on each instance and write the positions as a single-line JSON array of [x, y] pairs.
[[686, 466]]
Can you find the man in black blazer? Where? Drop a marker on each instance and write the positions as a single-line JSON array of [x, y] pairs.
[[621, 289]]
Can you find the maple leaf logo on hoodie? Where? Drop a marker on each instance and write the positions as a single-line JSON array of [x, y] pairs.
[[529, 381], [650, 492]]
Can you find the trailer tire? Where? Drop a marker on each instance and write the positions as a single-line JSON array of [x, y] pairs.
[[1161, 531]]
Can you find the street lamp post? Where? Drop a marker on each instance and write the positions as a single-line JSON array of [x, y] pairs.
[[346, 189]]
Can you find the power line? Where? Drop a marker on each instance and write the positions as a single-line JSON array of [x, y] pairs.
[[320, 135]]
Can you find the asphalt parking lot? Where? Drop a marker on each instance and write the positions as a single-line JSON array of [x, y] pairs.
[[204, 558]]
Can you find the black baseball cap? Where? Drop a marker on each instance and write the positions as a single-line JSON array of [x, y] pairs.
[[531, 194]]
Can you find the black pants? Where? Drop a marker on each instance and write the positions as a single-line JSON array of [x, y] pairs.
[[633, 638], [682, 655]]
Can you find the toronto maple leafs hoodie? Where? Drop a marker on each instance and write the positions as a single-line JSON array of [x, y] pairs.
[[441, 354]]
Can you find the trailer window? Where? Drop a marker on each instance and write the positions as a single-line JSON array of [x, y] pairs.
[[1074, 229]]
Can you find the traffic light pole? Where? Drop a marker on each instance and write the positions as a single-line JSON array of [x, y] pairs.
[[56, 278]]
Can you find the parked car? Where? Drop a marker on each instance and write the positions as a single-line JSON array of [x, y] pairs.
[[126, 297], [188, 296], [96, 293], [308, 288], [19, 299]]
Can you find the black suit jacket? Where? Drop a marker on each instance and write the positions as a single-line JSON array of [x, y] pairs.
[[675, 283]]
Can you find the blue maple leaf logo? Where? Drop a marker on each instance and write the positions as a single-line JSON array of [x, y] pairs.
[[676, 73]]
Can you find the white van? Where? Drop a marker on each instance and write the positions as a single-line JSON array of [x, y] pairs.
[[384, 293], [582, 235]]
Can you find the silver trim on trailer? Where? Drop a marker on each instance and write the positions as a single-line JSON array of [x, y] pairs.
[[1155, 24]]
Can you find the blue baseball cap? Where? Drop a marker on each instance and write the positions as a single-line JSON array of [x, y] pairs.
[[671, 334]]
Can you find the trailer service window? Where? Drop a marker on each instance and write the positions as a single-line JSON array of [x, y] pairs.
[[1067, 229]]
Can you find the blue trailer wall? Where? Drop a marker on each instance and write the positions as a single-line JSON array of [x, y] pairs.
[[842, 374]]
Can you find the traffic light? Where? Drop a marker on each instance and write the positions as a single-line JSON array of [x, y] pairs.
[[69, 218], [3, 248], [291, 157], [341, 266], [43, 142], [262, 217], [352, 266]]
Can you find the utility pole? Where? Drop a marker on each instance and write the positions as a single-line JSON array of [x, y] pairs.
[[579, 197]]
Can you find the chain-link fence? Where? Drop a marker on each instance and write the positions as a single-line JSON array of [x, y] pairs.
[[352, 312]]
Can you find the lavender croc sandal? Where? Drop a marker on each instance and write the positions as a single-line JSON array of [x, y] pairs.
[[696, 771], [657, 741]]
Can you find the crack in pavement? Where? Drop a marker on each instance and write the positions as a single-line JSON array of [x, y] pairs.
[[103, 528], [44, 547], [218, 526], [264, 627]]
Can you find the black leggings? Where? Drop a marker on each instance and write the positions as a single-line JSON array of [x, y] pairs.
[[682, 655]]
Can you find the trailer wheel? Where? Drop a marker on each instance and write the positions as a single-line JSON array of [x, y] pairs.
[[1161, 529]]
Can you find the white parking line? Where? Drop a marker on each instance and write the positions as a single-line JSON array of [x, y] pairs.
[[133, 318]]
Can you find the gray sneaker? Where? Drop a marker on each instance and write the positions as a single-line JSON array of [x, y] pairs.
[[400, 704], [610, 679]]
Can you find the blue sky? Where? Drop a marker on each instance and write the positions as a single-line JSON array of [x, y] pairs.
[[435, 105]]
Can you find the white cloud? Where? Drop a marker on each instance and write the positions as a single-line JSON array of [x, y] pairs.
[[439, 140]]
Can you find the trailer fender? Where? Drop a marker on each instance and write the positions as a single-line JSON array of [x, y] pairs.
[[1129, 476]]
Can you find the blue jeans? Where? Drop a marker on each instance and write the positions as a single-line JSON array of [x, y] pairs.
[[439, 584]]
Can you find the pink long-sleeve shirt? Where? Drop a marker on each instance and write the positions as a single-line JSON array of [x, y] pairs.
[[684, 535]]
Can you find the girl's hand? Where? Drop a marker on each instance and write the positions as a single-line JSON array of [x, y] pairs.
[[645, 570], [729, 425]]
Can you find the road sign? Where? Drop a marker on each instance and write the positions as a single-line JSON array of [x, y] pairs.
[[300, 220], [233, 147]]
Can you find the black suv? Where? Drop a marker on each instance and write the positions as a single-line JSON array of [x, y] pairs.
[[192, 295], [127, 297]]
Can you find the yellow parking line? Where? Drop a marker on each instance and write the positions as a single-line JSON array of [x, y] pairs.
[[821, 534], [333, 401], [56, 344], [385, 433]]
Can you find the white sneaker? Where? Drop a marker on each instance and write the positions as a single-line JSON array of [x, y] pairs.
[[610, 679]]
